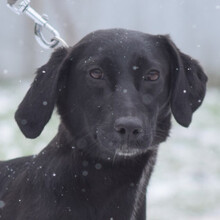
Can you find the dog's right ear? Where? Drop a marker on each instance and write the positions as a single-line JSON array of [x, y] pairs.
[[37, 106]]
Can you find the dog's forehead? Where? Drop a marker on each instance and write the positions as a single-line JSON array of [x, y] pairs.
[[120, 42]]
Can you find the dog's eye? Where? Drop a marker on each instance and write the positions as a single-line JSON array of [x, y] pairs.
[[152, 75], [96, 74]]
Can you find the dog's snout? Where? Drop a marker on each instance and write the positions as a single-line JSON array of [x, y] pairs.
[[128, 126]]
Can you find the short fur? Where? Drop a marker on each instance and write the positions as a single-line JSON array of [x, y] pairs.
[[99, 164]]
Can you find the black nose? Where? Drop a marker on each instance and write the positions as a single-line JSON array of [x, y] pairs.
[[128, 126]]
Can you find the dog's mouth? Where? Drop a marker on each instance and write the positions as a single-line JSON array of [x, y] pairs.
[[115, 147], [129, 152]]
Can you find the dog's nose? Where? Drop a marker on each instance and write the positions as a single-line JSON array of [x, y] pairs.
[[128, 126]]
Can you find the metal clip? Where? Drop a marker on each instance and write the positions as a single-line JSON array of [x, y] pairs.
[[23, 6]]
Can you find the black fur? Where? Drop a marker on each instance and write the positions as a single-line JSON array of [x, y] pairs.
[[98, 165]]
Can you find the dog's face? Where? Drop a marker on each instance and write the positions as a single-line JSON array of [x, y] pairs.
[[115, 91]]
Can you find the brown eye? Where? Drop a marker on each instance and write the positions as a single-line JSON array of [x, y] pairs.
[[153, 75], [96, 74]]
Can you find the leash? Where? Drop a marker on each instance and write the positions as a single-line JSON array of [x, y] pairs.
[[41, 22]]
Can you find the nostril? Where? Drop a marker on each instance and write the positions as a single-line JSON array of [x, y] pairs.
[[122, 130], [136, 131]]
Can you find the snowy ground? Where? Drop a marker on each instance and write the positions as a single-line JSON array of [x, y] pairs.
[[186, 181]]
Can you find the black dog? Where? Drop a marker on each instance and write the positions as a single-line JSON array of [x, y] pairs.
[[114, 91]]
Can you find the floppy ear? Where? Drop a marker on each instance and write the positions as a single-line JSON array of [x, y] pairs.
[[188, 82], [37, 106]]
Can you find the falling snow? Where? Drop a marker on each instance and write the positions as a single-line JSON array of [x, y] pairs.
[[98, 166], [125, 91], [85, 173], [5, 71], [44, 103], [2, 204], [135, 68]]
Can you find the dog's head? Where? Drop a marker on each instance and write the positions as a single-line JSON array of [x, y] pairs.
[[115, 91]]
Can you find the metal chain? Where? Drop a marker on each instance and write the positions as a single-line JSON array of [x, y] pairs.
[[41, 22]]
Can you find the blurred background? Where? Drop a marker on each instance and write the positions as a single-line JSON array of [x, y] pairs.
[[186, 181]]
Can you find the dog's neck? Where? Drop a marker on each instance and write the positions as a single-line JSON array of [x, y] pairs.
[[98, 182]]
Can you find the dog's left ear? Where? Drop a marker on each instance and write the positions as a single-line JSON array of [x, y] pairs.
[[188, 84], [37, 106]]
